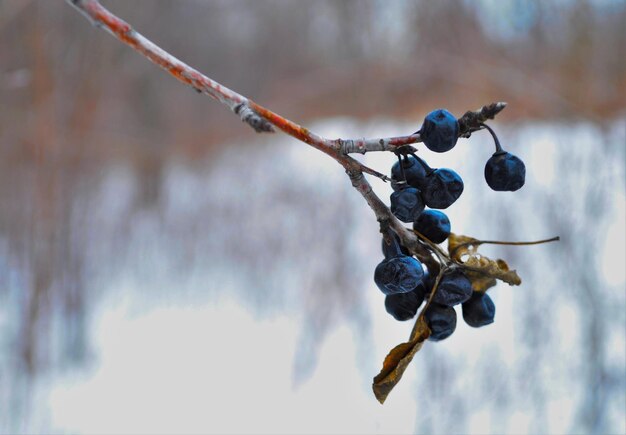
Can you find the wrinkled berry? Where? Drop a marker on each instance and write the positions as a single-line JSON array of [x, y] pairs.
[[441, 320], [454, 288], [413, 171], [407, 204], [505, 172], [440, 131], [434, 225], [442, 187], [404, 306], [479, 310], [398, 275]]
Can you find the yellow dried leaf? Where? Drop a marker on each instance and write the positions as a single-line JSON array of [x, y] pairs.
[[459, 245], [480, 283], [493, 268], [398, 359], [480, 269]]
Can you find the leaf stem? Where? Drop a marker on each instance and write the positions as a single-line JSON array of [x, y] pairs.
[[443, 256], [498, 242], [420, 317]]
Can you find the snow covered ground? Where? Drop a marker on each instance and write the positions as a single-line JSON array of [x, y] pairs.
[[245, 302]]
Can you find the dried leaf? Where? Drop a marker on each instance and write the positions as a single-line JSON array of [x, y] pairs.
[[398, 359], [493, 268], [480, 283], [480, 270], [459, 245]]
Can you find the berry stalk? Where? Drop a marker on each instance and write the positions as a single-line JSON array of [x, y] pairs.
[[499, 149]]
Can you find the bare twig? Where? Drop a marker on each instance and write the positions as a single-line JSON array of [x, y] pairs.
[[470, 122], [476, 243], [258, 117], [362, 146]]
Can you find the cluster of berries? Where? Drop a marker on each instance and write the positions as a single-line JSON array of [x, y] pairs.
[[404, 280]]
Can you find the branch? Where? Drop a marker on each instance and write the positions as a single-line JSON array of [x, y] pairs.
[[470, 122], [255, 115], [258, 117], [362, 146], [102, 18]]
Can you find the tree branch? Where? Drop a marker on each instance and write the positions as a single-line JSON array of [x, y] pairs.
[[262, 119], [258, 117], [362, 146], [469, 123]]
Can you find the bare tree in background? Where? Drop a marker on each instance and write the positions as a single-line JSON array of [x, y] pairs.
[[63, 125]]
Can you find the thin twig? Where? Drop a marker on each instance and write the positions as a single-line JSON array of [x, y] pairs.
[[362, 146], [470, 122], [258, 117], [498, 242]]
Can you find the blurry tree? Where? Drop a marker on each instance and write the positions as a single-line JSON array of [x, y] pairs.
[[64, 122]]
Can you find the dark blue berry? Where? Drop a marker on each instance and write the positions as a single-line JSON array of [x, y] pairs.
[[454, 288], [434, 225], [441, 320], [426, 284], [505, 172], [413, 171], [398, 275], [479, 310], [440, 131], [407, 204], [404, 306], [442, 187]]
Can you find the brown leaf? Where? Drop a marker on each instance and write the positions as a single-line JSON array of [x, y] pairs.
[[459, 245], [493, 268], [398, 359], [480, 270], [480, 283]]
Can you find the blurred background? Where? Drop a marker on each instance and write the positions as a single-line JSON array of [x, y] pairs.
[[165, 269]]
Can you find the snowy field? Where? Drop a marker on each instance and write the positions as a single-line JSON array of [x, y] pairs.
[[244, 302]]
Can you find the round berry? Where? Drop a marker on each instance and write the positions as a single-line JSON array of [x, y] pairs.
[[404, 306], [440, 131], [454, 288], [413, 171], [441, 320], [442, 188], [505, 172], [479, 310], [407, 204], [434, 225], [398, 275]]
